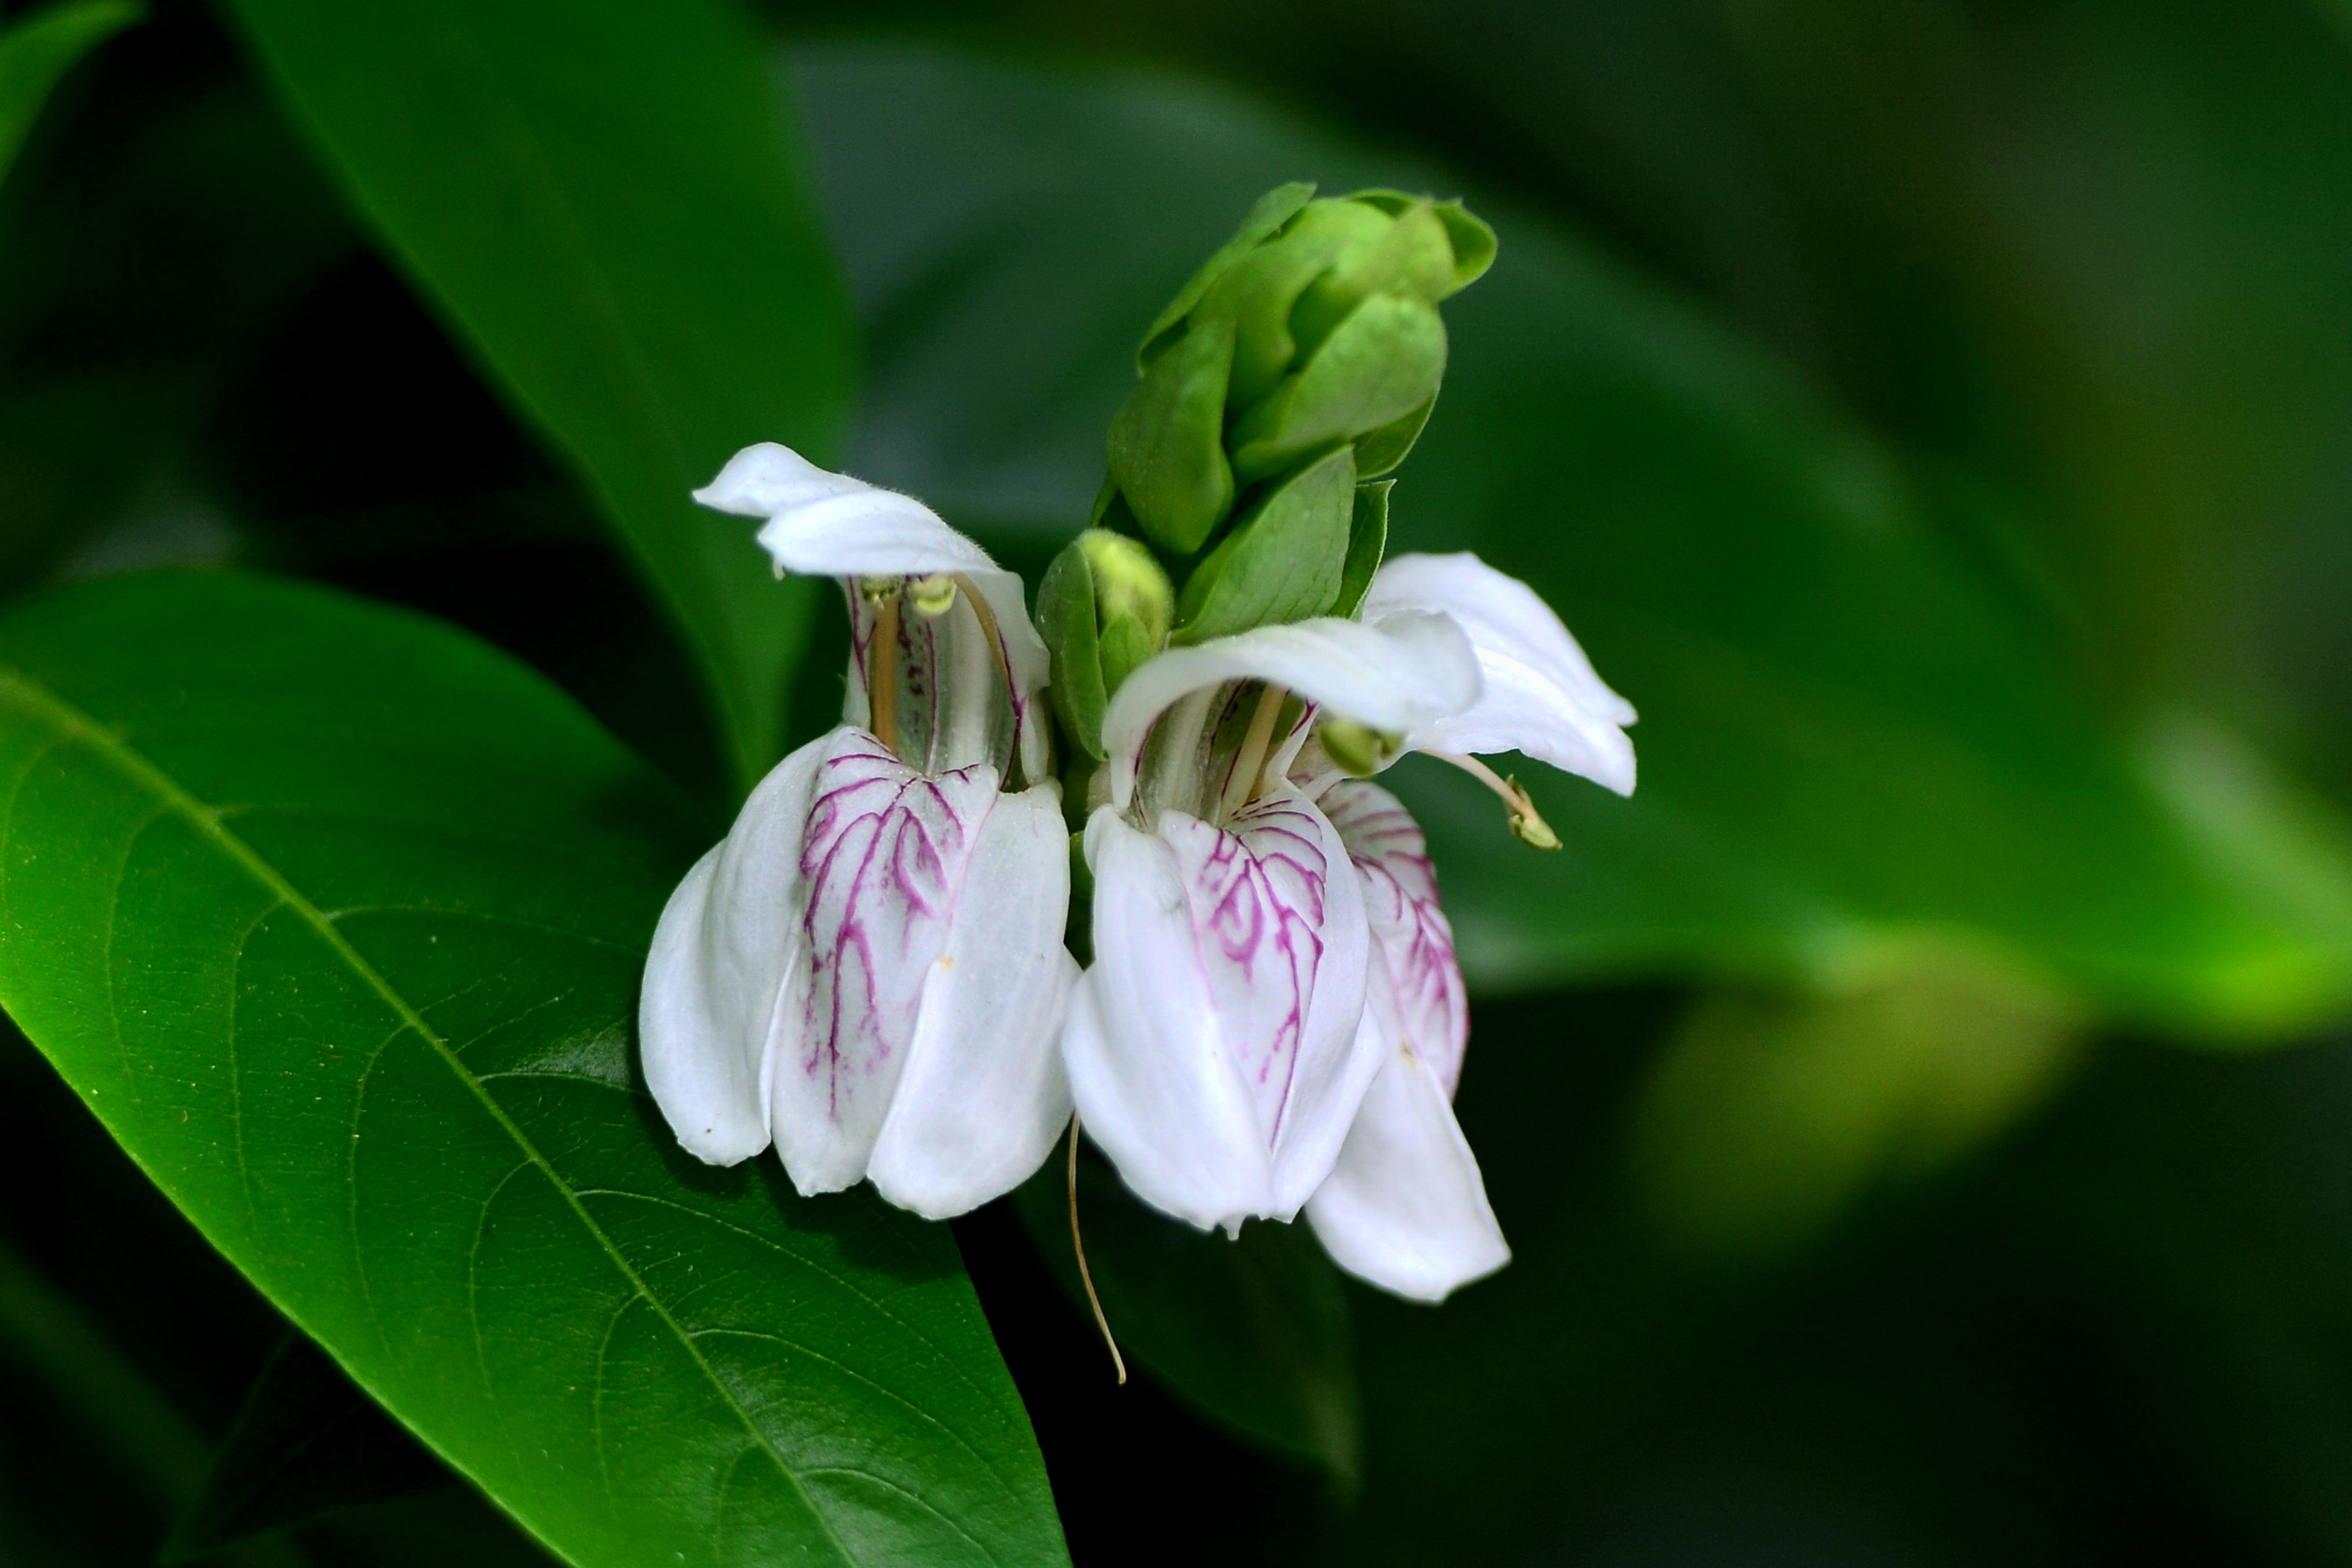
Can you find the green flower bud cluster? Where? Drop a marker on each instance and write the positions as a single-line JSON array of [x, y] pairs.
[[1297, 366]]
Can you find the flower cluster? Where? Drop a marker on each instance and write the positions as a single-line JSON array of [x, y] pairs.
[[870, 971]]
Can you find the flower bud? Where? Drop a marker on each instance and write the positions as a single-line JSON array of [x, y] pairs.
[[1301, 361], [1104, 606], [1167, 445], [1356, 749]]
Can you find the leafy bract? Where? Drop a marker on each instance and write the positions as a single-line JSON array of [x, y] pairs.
[[335, 919], [602, 198], [1852, 739]]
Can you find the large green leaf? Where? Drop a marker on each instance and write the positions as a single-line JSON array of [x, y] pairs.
[[335, 917], [1851, 740], [603, 200]]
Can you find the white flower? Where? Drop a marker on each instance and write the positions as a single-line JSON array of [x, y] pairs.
[[1217, 1048], [868, 970], [1405, 1206]]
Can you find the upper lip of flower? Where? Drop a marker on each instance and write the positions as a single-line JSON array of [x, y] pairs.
[[1401, 671], [823, 524]]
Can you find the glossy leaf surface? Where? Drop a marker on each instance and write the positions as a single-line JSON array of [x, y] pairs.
[[603, 199], [335, 917]]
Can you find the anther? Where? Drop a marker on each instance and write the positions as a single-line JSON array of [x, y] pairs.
[[934, 596], [1357, 750], [1527, 825]]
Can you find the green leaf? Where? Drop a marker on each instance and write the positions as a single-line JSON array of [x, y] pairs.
[[603, 201], [1851, 740], [335, 919], [36, 50], [307, 1444], [1253, 1331]]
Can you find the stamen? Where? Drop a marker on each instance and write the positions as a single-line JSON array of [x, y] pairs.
[[1242, 784], [986, 615], [1077, 1243], [882, 670], [934, 596], [1527, 825]]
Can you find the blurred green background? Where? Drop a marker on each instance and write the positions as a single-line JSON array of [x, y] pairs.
[[1921, 1116]]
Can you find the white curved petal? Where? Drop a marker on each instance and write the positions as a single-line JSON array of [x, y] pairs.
[[1149, 1070], [1403, 672], [1404, 1207], [823, 524], [1412, 942], [983, 1096], [1301, 863], [1541, 696], [1215, 1054], [727, 942], [883, 860]]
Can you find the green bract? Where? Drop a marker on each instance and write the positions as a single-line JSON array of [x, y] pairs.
[[1302, 358], [1282, 561]]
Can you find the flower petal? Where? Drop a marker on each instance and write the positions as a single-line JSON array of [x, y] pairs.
[[882, 860], [823, 524], [1149, 1070], [983, 1095], [1412, 942], [1404, 1207], [1541, 696], [726, 944], [1402, 672], [1219, 1060]]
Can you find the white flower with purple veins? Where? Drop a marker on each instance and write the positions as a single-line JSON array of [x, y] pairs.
[[868, 970], [1275, 1017], [1214, 1046]]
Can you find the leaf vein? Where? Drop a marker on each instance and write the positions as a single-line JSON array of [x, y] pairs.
[[176, 799]]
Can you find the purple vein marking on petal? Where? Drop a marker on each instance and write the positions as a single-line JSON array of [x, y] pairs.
[[861, 636], [1412, 938], [1256, 891], [883, 855]]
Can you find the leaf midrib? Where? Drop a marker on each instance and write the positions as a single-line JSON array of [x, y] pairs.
[[166, 791]]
